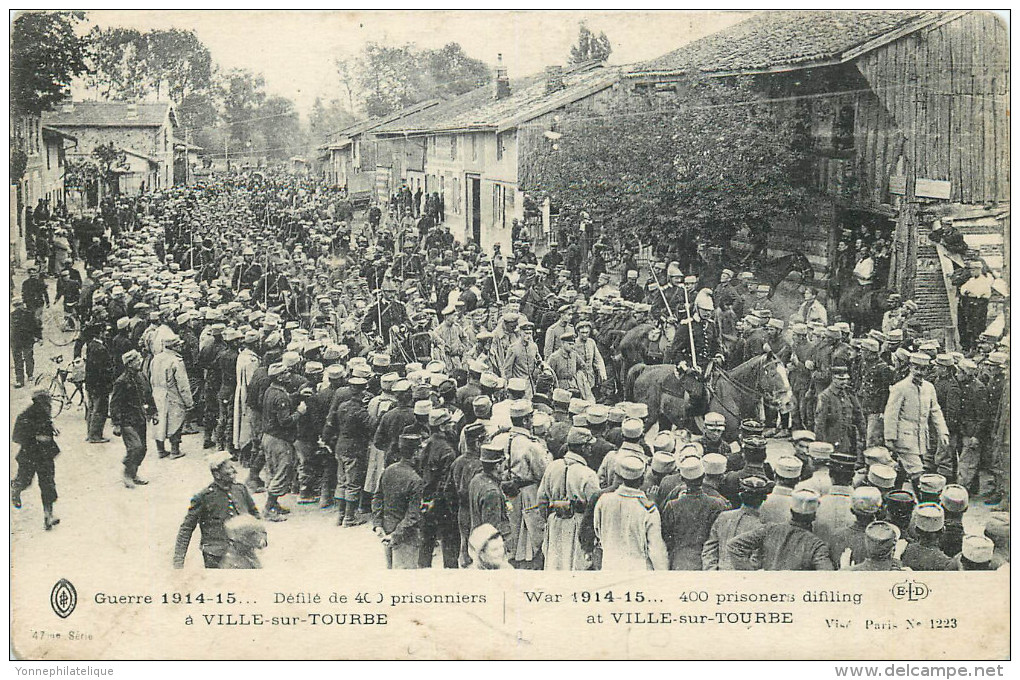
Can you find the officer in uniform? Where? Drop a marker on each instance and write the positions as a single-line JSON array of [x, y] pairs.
[[384, 314], [131, 407], [487, 504], [34, 432], [688, 519], [880, 539], [349, 428], [527, 459], [396, 507], [439, 522], [929, 520], [839, 418], [462, 471], [704, 331], [631, 290], [788, 546], [776, 507], [627, 523], [210, 509], [563, 494], [715, 555], [713, 441]]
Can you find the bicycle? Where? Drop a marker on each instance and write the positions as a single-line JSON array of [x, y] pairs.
[[60, 325], [58, 387]]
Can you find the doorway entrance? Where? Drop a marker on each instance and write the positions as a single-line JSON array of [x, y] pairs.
[[474, 184]]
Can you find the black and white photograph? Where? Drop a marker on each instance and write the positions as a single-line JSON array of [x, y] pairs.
[[337, 294]]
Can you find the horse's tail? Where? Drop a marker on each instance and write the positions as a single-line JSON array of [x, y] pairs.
[[633, 373]]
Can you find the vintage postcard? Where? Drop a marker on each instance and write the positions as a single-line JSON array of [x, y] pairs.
[[692, 327]]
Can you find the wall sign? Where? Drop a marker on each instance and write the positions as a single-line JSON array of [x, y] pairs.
[[932, 188], [898, 185]]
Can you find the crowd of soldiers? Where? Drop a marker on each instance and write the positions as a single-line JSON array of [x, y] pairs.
[[477, 403]]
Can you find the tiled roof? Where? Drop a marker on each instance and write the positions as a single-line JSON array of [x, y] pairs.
[[528, 98], [107, 114], [342, 138], [787, 39]]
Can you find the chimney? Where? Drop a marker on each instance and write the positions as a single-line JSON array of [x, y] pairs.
[[553, 79], [502, 80]]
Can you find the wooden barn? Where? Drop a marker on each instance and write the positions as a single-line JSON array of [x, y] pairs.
[[905, 117]]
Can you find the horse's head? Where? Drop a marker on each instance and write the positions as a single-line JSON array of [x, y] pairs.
[[774, 383], [694, 385]]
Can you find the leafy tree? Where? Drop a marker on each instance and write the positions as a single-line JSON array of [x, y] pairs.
[[108, 158], [78, 174], [280, 128], [46, 54], [695, 168], [177, 63], [590, 47], [346, 74], [326, 118], [392, 78], [18, 164], [117, 69], [169, 64], [242, 93]]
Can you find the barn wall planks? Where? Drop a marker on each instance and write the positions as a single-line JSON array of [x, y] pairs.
[[944, 88]]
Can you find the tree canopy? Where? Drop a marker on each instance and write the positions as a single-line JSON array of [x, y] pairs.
[[590, 47], [167, 64], [701, 164], [391, 78], [45, 55]]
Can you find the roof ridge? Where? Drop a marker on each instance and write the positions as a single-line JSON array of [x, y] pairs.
[[769, 39]]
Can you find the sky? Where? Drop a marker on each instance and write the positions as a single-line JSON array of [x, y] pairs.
[[295, 50]]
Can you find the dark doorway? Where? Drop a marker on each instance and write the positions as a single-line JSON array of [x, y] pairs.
[[475, 197]]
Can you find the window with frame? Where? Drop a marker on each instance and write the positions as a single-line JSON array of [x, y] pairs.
[[454, 205], [474, 147], [499, 147], [453, 147], [499, 205]]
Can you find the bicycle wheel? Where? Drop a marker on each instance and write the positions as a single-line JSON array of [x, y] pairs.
[[60, 327], [57, 396]]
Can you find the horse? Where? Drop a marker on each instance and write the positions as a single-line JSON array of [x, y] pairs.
[[636, 346], [672, 396], [744, 391], [774, 272]]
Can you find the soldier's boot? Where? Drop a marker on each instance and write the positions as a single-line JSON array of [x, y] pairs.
[[16, 498], [49, 521], [129, 481], [326, 492], [254, 482], [350, 515], [161, 448], [207, 441], [273, 510], [364, 503], [175, 449]]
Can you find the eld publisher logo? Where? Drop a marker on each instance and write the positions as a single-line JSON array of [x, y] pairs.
[[63, 598], [911, 591]]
